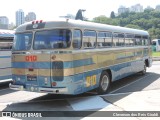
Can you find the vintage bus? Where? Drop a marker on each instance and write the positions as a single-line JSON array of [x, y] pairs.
[[6, 40], [71, 56], [156, 45]]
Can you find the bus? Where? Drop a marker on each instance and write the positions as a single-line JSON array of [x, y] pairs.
[[72, 57], [6, 40], [156, 45]]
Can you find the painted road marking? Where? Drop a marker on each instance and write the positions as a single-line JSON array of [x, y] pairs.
[[88, 103]]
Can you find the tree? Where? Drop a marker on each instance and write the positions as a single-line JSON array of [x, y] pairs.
[[147, 20], [133, 26], [112, 15], [79, 15]]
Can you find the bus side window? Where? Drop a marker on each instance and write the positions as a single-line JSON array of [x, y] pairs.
[[104, 39], [118, 39], [89, 39], [129, 40], [138, 40], [145, 40], [77, 39]]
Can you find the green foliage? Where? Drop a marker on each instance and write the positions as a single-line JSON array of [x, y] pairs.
[[148, 20], [156, 54]]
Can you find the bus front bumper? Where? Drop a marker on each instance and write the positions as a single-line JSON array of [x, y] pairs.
[[39, 89]]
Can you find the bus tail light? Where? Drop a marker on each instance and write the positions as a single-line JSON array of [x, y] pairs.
[[37, 21], [54, 83]]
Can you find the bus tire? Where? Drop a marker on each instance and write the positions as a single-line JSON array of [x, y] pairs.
[[104, 83], [143, 72]]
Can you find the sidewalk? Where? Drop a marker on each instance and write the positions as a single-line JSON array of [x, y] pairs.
[[145, 105], [137, 101]]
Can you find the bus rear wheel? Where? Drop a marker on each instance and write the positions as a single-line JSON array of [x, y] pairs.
[[104, 83]]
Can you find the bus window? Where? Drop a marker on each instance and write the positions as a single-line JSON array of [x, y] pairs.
[[129, 40], [118, 39], [52, 39], [22, 41], [154, 43], [138, 40], [159, 42], [5, 45], [77, 39], [104, 39], [145, 40], [89, 39]]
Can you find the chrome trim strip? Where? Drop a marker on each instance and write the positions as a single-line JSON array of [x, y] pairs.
[[16, 87], [40, 89], [49, 51], [6, 80], [53, 90]]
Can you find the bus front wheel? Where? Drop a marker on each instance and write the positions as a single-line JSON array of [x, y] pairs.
[[104, 83]]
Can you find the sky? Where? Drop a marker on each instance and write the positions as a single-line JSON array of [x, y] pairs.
[[50, 9]]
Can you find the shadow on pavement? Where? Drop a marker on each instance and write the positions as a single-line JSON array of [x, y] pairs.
[[136, 86], [4, 89]]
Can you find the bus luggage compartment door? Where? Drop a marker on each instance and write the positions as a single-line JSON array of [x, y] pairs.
[[38, 70]]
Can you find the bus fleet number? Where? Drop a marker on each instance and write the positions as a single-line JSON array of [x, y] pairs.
[[90, 80], [31, 58]]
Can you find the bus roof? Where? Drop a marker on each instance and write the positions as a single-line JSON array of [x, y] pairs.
[[78, 24], [6, 33]]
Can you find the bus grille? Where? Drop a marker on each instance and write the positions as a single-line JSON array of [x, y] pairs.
[[57, 71]]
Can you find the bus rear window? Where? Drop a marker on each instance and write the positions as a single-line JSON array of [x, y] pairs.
[[22, 41], [52, 39]]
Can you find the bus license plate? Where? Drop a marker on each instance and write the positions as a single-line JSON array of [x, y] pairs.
[[31, 78]]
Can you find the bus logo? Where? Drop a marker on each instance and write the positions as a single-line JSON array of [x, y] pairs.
[[35, 26], [31, 58]]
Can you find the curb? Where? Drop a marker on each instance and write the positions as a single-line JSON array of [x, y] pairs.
[[156, 58]]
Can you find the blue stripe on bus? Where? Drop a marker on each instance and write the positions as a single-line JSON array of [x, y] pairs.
[[47, 65], [5, 77], [5, 56]]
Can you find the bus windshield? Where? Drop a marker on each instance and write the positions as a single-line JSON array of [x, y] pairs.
[[52, 39], [22, 41], [153, 42], [159, 42]]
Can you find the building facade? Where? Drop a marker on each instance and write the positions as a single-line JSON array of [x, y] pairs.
[[19, 17], [157, 8], [136, 8], [122, 9], [4, 22], [30, 17]]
